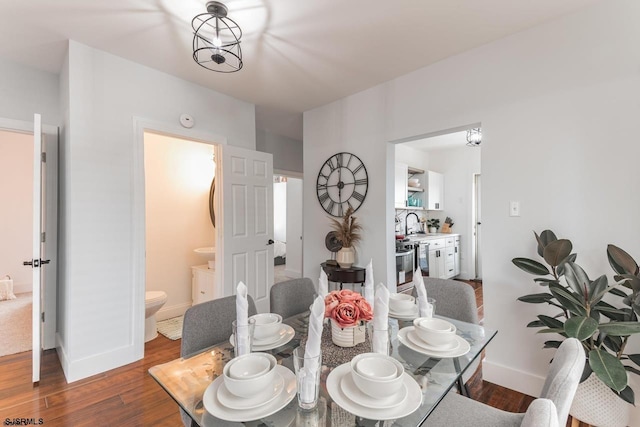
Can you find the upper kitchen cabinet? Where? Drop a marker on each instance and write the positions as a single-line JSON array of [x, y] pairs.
[[435, 191], [401, 185]]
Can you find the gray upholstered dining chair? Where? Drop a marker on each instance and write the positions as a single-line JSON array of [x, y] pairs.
[[292, 297], [207, 324], [551, 409]]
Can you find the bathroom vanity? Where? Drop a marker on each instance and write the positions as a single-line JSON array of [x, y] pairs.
[[203, 284]]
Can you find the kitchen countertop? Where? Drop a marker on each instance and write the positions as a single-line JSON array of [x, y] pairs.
[[429, 236]]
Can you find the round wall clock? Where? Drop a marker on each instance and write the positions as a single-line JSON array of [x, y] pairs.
[[342, 183]]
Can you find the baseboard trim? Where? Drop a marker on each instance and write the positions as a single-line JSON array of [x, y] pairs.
[[174, 311], [75, 370], [292, 274], [513, 379]]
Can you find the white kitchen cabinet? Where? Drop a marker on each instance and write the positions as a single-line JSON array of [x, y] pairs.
[[400, 185], [456, 259], [444, 257], [435, 191], [203, 284], [437, 267]]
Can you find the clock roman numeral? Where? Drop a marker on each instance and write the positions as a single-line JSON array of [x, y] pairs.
[[355, 171], [339, 159], [330, 164], [362, 181], [322, 186], [323, 197], [359, 197], [340, 213], [349, 161], [349, 204], [330, 207]]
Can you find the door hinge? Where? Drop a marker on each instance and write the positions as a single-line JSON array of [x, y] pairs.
[[43, 156], [43, 237], [42, 317]]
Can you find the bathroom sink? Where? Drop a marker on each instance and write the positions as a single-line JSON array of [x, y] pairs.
[[208, 252]]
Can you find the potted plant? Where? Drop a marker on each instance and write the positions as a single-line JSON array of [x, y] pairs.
[[348, 310], [603, 329], [348, 233], [433, 224]]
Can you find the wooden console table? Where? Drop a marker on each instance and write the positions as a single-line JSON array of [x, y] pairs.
[[340, 275]]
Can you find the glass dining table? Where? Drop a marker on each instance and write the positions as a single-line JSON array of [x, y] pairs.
[[186, 379]]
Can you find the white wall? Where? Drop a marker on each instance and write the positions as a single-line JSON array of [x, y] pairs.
[[280, 211], [178, 176], [16, 213], [458, 167], [287, 152], [294, 227], [558, 107], [105, 94], [412, 157]]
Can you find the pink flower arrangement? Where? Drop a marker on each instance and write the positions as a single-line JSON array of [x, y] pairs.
[[347, 308]]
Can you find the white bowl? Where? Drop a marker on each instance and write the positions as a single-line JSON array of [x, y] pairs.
[[267, 325], [413, 182], [248, 386], [376, 367], [378, 388], [401, 303], [244, 368], [437, 332]]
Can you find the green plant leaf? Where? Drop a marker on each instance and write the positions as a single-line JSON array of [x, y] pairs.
[[580, 327], [553, 331], [551, 322], [560, 269], [621, 261], [557, 251], [630, 281], [632, 369], [609, 369], [597, 289], [535, 324], [618, 292], [627, 395], [544, 282], [536, 298], [610, 311], [576, 278], [620, 329], [531, 266], [546, 237], [635, 358], [612, 343], [568, 300], [552, 344], [586, 372]]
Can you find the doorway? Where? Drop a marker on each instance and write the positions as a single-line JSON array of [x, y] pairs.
[[287, 226], [477, 223]]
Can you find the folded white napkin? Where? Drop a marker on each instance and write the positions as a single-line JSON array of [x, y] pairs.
[[242, 319], [368, 283], [381, 320], [312, 349], [424, 308], [323, 284]]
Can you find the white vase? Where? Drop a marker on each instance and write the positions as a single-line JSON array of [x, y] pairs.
[[345, 257], [433, 230], [595, 404], [347, 337]]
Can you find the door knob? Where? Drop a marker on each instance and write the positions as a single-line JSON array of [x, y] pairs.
[[270, 242]]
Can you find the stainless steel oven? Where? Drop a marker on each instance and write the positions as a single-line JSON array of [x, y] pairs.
[[422, 257], [405, 258]]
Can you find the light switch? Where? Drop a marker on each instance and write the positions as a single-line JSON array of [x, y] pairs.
[[514, 208]]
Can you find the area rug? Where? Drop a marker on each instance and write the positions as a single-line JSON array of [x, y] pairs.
[[171, 328], [15, 324]]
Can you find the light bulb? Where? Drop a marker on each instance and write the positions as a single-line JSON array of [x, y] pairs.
[[217, 42]]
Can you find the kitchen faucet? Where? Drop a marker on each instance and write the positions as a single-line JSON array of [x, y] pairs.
[[406, 222]]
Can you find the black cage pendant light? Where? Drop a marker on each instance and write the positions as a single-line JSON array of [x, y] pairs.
[[216, 40]]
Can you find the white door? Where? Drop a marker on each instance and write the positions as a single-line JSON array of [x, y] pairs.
[[247, 222], [478, 226], [36, 257]]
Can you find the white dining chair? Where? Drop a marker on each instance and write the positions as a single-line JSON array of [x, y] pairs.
[[551, 409]]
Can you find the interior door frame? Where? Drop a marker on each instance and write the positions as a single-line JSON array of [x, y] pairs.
[[476, 228], [138, 235], [300, 176], [48, 327]]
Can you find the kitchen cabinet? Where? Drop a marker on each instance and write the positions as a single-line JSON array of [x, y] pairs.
[[444, 256], [435, 191], [203, 284], [400, 185], [456, 258]]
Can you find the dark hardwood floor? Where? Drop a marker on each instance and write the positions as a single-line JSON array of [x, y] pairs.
[[128, 396]]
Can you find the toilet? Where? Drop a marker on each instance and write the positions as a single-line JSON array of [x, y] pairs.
[[153, 301]]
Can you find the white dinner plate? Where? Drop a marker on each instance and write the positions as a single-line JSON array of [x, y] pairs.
[[461, 350], [213, 405], [408, 406], [415, 338], [405, 315], [282, 331], [350, 389], [286, 335], [263, 397]]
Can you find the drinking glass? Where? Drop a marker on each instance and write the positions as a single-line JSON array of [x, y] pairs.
[[307, 377], [432, 303], [243, 337], [372, 331], [315, 417]]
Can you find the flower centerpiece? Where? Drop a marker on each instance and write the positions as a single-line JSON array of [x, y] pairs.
[[347, 311], [348, 233]]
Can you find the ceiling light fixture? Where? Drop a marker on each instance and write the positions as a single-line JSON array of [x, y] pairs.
[[216, 40], [474, 137]]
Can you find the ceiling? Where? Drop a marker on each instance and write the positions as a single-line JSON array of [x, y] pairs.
[[298, 54], [441, 142]]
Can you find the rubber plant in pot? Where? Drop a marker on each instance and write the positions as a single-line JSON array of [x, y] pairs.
[[348, 232], [603, 329]]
